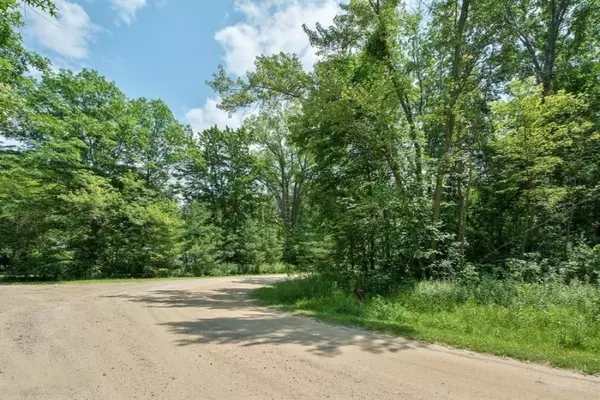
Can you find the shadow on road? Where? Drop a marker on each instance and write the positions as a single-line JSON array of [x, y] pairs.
[[248, 331], [217, 299], [228, 315], [222, 299]]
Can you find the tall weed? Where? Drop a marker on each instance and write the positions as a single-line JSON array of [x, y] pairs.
[[548, 321]]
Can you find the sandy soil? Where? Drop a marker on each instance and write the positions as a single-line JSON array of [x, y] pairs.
[[204, 339]]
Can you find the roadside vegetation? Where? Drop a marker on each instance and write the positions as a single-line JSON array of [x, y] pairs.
[[264, 271], [543, 322], [222, 271]]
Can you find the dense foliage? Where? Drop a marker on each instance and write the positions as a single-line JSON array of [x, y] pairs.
[[95, 184], [449, 139]]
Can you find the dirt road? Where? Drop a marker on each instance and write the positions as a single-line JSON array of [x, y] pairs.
[[204, 339]]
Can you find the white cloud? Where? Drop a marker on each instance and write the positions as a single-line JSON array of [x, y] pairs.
[[128, 8], [268, 27], [69, 35], [273, 26], [209, 115]]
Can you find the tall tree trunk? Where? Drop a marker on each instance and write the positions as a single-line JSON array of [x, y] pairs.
[[463, 210], [386, 57], [450, 120], [544, 63], [412, 127], [557, 14]]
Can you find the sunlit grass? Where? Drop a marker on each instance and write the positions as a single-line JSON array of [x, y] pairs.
[[547, 323]]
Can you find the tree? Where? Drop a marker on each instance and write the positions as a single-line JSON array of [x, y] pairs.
[[101, 218], [282, 170], [223, 177], [157, 143], [542, 142], [14, 59], [202, 240], [544, 34]]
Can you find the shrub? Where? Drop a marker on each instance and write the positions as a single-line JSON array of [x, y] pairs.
[[292, 290], [583, 263]]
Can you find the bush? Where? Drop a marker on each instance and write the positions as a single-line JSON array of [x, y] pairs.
[[273, 268], [383, 309], [583, 264], [163, 273], [293, 290], [529, 269], [223, 269]]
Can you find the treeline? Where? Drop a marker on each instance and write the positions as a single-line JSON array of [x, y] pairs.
[[95, 184], [99, 185], [448, 139]]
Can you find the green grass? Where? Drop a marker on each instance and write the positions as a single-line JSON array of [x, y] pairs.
[[8, 281], [546, 323], [100, 281], [221, 270]]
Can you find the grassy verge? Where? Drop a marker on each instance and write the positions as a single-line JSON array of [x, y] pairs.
[[221, 270], [10, 281], [547, 323], [100, 281]]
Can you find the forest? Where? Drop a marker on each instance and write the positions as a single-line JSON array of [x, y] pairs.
[[435, 140]]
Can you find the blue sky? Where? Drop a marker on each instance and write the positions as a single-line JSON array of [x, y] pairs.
[[168, 48]]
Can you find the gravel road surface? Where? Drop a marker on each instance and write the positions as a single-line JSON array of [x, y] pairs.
[[204, 339]]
